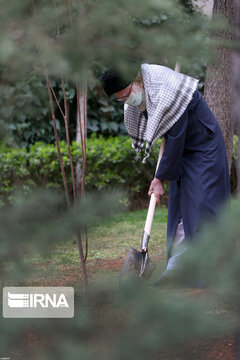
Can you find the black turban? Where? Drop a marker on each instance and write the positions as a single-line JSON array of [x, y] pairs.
[[112, 82]]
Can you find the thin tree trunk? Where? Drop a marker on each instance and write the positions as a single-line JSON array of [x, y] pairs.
[[236, 85], [68, 140], [81, 132], [57, 140], [83, 261], [217, 90], [81, 135]]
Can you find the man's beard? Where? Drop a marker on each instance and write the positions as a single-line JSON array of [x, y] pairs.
[[142, 106]]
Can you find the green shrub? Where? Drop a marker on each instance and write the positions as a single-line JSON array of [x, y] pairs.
[[111, 163], [25, 110], [14, 172]]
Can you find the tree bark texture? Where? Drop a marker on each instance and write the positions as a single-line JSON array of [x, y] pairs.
[[81, 135], [218, 89], [81, 132], [236, 84]]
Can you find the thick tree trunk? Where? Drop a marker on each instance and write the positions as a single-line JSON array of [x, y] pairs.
[[217, 90], [236, 84]]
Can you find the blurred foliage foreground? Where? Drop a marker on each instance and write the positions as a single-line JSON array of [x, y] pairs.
[[134, 321], [75, 41]]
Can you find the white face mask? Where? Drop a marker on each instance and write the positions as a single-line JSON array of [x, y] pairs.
[[135, 98]]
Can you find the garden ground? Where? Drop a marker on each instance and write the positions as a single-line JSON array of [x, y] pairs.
[[108, 246]]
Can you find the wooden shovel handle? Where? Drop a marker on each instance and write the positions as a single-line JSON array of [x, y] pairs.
[[152, 204]]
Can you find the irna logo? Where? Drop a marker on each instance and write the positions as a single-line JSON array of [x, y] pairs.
[[38, 302], [34, 300]]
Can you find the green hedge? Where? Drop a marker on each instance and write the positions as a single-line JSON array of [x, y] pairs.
[[111, 163]]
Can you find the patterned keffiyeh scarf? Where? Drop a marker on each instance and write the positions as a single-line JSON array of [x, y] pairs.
[[167, 94]]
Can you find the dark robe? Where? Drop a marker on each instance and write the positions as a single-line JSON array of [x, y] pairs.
[[195, 162]]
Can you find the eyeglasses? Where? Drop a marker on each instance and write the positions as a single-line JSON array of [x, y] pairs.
[[124, 98]]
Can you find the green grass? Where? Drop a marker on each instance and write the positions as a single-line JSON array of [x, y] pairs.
[[112, 239], [108, 240]]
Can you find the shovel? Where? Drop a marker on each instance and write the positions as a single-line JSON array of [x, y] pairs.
[[138, 263]]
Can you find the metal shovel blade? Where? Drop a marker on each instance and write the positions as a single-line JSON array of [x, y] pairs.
[[137, 265]]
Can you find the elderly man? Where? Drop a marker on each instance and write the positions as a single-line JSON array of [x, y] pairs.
[[162, 102]]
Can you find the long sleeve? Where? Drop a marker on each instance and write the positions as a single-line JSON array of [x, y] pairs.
[[169, 166]]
